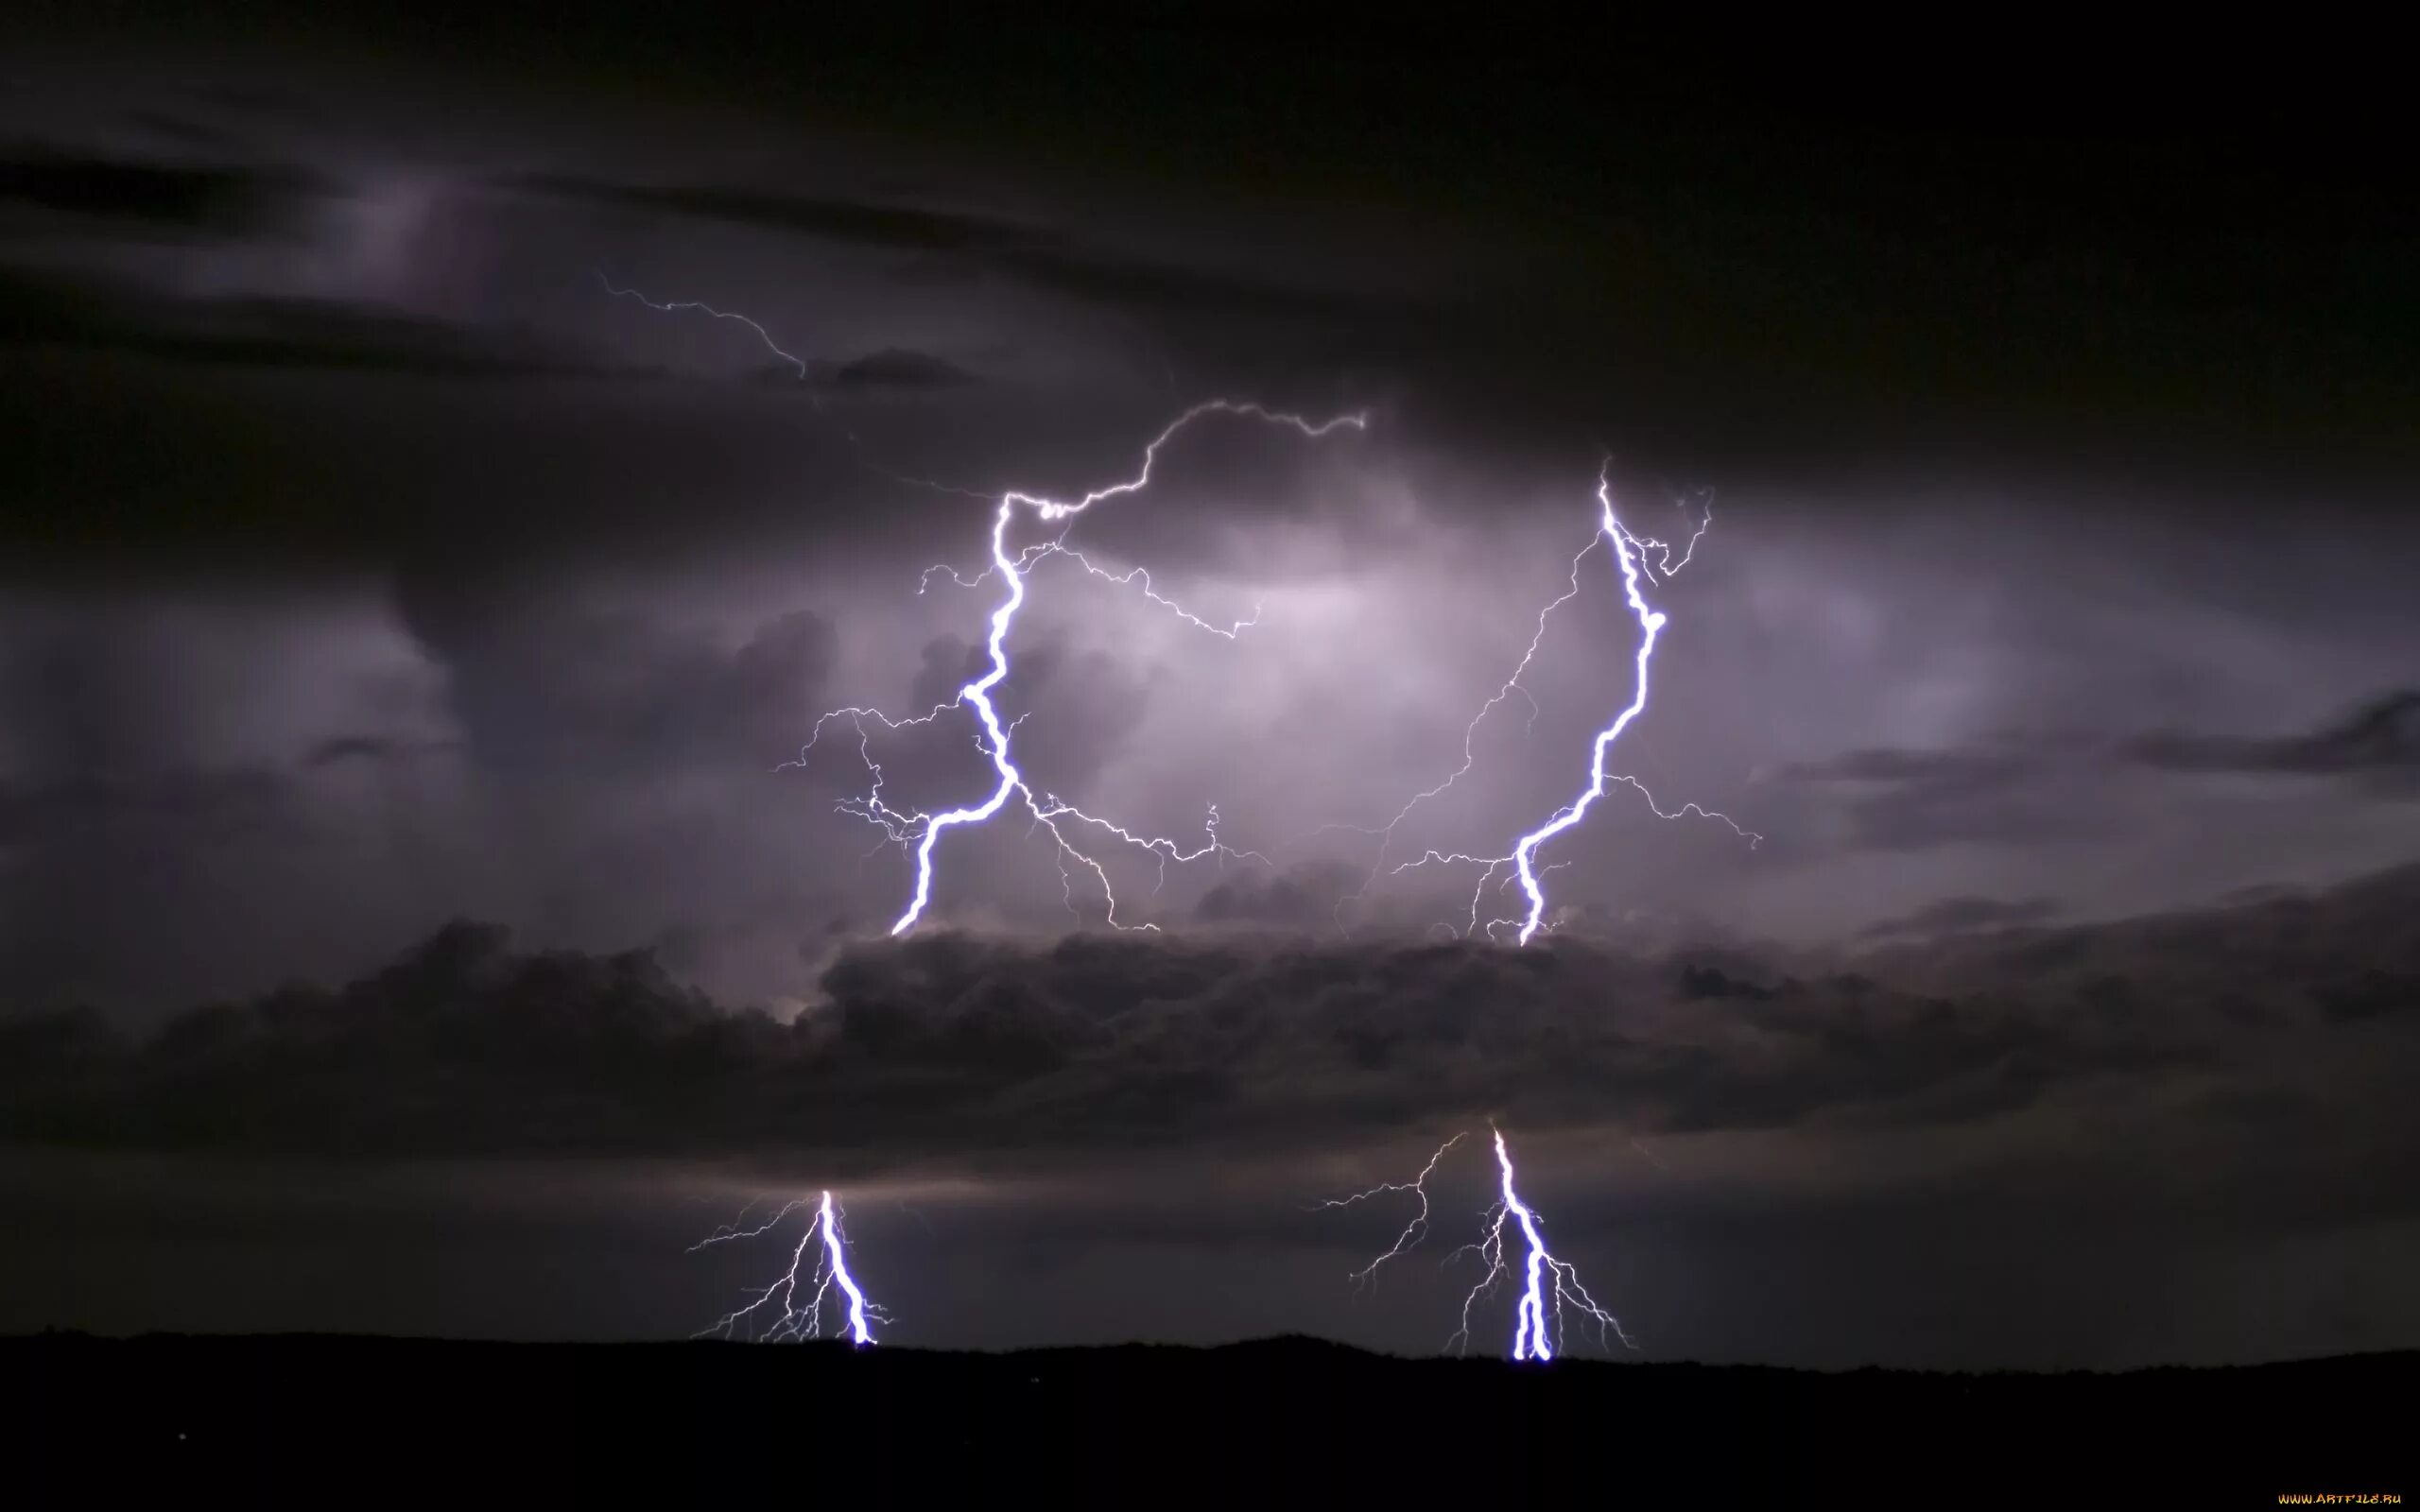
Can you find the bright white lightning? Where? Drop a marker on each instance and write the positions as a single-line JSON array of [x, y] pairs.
[[1550, 1288], [1629, 550], [1651, 622], [922, 831], [795, 1319], [1530, 1336]]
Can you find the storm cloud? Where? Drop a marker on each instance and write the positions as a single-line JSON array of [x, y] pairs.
[[961, 1049], [367, 562]]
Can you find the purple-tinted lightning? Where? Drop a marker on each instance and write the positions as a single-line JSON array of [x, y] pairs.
[[1651, 622], [1630, 553], [830, 1271], [1414, 1231], [921, 831], [1530, 1338], [1550, 1287], [763, 336]]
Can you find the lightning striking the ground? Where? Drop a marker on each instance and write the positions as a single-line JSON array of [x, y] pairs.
[[1549, 1290], [790, 1318]]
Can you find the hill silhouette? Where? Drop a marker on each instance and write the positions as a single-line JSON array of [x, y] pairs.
[[1292, 1420]]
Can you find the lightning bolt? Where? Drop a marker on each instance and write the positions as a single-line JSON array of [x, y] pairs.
[[1630, 553], [1413, 1231], [677, 306], [921, 833], [1550, 1288], [792, 1319]]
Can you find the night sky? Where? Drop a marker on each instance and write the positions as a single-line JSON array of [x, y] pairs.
[[415, 915]]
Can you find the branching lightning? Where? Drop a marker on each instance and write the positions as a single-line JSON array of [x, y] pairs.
[[1549, 1290], [1630, 553], [789, 1317], [1413, 1231], [919, 831]]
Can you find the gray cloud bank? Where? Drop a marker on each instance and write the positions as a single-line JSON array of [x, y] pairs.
[[962, 1051]]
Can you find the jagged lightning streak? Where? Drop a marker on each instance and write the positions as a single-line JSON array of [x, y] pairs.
[[923, 830], [1413, 1231], [1550, 1287], [1650, 624], [920, 832], [1512, 684], [1529, 1333], [677, 306], [831, 1270], [1629, 550]]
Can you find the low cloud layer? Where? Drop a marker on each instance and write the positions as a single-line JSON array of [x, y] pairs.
[[960, 1050]]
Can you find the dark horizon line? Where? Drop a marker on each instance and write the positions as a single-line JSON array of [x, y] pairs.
[[2358, 1359]]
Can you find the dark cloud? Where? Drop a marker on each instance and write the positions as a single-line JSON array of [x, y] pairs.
[[1304, 896], [185, 130], [945, 1046], [2261, 959], [260, 102], [937, 243], [2012, 792], [1952, 915], [341, 748], [1916, 799], [307, 381], [893, 368], [897, 227], [158, 196], [95, 315], [2382, 736], [589, 693], [203, 806]]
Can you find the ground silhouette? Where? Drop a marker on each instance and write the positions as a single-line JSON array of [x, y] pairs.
[[1289, 1419]]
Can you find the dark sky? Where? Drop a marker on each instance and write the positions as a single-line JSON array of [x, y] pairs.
[[366, 564]]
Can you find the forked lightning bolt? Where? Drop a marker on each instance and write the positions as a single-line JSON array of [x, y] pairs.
[[790, 1318], [922, 832], [1630, 554], [1550, 1288], [1413, 1231]]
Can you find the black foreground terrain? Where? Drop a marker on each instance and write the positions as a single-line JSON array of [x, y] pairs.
[[339, 1421]]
